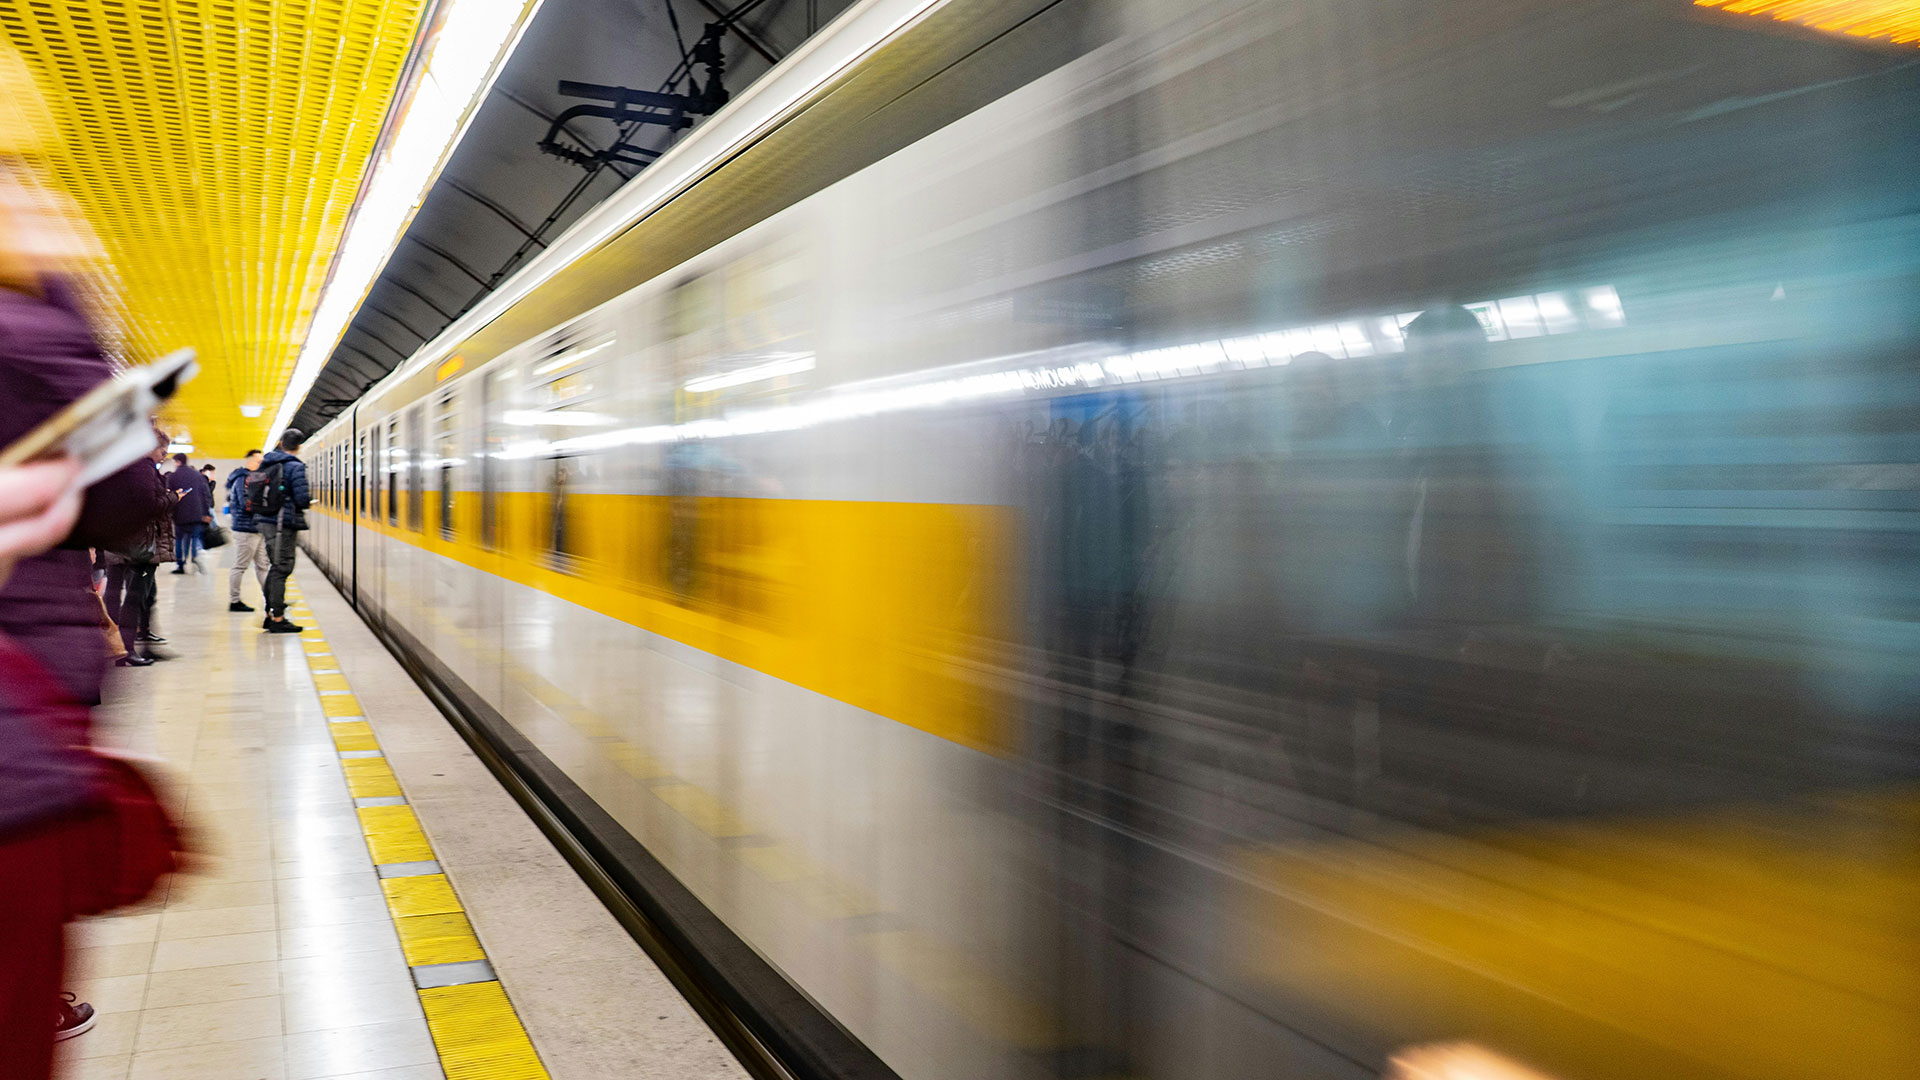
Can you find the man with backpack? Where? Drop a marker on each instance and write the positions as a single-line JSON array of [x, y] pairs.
[[277, 498], [249, 549]]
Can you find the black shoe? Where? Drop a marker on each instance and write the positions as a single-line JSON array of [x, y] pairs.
[[151, 639], [71, 1017], [133, 660], [283, 627], [238, 606], [178, 570]]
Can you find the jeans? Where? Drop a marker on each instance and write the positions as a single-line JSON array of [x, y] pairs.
[[186, 542], [249, 549], [282, 545]]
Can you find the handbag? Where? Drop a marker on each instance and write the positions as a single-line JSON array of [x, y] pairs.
[[123, 845], [213, 536]]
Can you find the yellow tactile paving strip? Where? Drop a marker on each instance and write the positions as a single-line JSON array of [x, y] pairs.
[[475, 1029]]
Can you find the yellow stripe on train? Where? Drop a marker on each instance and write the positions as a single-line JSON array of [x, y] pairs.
[[887, 606]]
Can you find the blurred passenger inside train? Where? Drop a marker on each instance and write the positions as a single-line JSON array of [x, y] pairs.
[[192, 511], [249, 549], [281, 491]]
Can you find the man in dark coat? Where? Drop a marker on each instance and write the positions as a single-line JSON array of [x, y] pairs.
[[47, 359], [191, 514], [281, 529]]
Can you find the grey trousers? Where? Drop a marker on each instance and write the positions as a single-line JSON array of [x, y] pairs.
[[249, 549], [282, 546]]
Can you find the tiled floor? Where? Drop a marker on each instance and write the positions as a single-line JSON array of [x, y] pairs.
[[277, 959]]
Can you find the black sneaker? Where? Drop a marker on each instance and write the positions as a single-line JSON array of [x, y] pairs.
[[238, 606], [133, 660], [71, 1017], [283, 627], [151, 639], [178, 570]]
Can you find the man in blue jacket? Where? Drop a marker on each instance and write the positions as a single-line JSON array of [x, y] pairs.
[[280, 531], [248, 547]]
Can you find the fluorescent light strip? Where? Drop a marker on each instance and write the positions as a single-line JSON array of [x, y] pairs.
[[789, 365], [470, 48]]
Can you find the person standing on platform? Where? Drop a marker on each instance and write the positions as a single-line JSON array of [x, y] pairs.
[[277, 497], [249, 548], [190, 514], [130, 575]]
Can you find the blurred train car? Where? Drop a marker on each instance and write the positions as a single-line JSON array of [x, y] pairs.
[[1114, 538]]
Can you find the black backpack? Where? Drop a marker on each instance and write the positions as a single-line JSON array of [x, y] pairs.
[[264, 493]]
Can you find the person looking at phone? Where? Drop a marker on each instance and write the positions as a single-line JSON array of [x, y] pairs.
[[48, 357]]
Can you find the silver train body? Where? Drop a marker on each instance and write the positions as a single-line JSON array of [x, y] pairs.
[[1221, 540]]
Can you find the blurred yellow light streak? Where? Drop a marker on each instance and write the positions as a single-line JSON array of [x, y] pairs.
[[217, 150], [1896, 21]]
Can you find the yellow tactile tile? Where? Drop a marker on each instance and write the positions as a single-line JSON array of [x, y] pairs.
[[353, 735], [445, 938], [393, 834], [315, 644], [421, 894], [370, 778], [478, 1034], [329, 680], [340, 705]]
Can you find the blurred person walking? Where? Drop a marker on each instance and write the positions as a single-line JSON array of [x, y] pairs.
[[191, 512], [250, 548], [79, 833], [277, 497]]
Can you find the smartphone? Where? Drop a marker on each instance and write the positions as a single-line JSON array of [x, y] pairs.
[[111, 425]]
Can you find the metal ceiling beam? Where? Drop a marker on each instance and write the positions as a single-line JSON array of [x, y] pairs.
[[418, 295], [451, 259], [498, 210], [397, 320]]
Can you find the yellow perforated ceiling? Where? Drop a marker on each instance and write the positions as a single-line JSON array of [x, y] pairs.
[[217, 148]]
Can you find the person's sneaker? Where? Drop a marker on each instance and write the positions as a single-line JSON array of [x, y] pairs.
[[150, 636], [283, 627], [238, 606], [71, 1017], [178, 570], [133, 660]]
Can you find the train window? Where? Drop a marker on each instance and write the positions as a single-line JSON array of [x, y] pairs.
[[360, 505], [415, 464], [393, 470], [490, 396], [559, 537], [445, 451]]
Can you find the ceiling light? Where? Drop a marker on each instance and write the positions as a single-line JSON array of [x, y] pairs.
[[472, 44], [250, 411]]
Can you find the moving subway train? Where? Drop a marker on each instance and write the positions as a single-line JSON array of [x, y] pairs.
[[1151, 538]]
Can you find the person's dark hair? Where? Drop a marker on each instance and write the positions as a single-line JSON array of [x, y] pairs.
[[250, 453], [291, 440], [181, 458]]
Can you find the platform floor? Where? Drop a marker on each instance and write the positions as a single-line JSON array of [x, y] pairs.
[[369, 903]]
